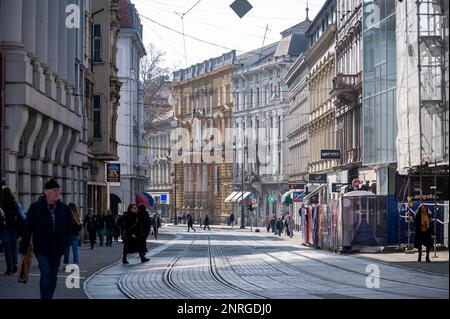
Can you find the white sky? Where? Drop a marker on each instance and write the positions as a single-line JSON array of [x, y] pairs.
[[214, 21]]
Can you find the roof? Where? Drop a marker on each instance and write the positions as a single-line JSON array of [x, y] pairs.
[[298, 28], [292, 45], [257, 55]]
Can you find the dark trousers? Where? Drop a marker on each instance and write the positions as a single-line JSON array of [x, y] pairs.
[[109, 236], [92, 237], [206, 225], [10, 243], [49, 275], [189, 227]]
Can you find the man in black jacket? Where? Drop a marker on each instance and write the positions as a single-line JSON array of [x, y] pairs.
[[48, 223]]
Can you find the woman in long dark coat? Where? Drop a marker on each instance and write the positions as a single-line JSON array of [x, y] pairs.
[[424, 231], [133, 235]]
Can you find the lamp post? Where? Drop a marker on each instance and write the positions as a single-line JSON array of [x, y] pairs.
[[242, 190], [173, 101]]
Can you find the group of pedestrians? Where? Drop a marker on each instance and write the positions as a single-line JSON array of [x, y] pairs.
[[281, 224], [190, 222], [96, 224]]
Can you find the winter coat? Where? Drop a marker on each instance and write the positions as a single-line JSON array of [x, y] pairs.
[[131, 225], [47, 240], [91, 223], [145, 221], [423, 238]]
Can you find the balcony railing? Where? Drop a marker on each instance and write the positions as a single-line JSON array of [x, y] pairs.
[[346, 84], [352, 155]]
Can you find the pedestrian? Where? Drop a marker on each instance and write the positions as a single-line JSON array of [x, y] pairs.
[[291, 225], [232, 220], [179, 218], [267, 223], [116, 232], [184, 218], [90, 221], [2, 227], [424, 231], [206, 222], [190, 222], [75, 220], [279, 226], [156, 225], [144, 217], [273, 224], [14, 228], [49, 224], [133, 235], [109, 226], [101, 228]]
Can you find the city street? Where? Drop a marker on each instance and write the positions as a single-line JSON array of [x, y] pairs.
[[235, 264]]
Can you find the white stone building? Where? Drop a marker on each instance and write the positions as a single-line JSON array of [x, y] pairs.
[[130, 122]]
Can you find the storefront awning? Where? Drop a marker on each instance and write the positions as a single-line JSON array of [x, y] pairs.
[[239, 197], [286, 199], [229, 197], [314, 192]]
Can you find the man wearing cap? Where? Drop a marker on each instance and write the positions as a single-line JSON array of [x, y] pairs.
[[48, 223]]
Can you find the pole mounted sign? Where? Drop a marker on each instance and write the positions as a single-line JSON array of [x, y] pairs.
[[330, 154], [113, 173]]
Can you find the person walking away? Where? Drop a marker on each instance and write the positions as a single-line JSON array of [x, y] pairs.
[[279, 226], [232, 220], [101, 228], [14, 228], [49, 224], [273, 224], [190, 222], [75, 220], [109, 225], [206, 222], [90, 220], [133, 235], [116, 232], [424, 231], [156, 225]]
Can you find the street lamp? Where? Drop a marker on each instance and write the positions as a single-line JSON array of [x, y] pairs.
[[173, 101]]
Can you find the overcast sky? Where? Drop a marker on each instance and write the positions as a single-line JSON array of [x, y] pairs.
[[214, 21]]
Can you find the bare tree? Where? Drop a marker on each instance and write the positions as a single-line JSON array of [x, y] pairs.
[[155, 78]]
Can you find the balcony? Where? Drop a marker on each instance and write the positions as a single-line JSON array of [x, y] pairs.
[[350, 157], [346, 88]]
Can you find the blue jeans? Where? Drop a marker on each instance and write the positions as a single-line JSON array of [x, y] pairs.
[[49, 275], [74, 243], [10, 244]]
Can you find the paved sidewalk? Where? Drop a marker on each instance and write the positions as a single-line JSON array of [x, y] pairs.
[[91, 261]]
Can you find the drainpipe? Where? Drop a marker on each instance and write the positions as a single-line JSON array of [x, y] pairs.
[[2, 131]]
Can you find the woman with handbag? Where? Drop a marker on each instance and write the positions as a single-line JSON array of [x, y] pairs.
[[75, 238], [133, 235]]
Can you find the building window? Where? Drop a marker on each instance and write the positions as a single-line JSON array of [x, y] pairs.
[[97, 43], [251, 98], [97, 116]]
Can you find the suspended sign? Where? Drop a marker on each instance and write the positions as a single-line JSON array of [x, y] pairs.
[[330, 154], [297, 186], [297, 197], [113, 173], [241, 7], [336, 187]]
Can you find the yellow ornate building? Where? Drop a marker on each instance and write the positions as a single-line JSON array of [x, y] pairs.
[[203, 170]]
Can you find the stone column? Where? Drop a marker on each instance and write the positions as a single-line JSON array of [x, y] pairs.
[[11, 23], [53, 35], [29, 26], [42, 31]]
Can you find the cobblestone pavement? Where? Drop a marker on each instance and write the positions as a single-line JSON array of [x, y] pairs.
[[235, 264]]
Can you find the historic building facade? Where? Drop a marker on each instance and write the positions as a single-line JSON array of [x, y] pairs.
[[260, 117], [347, 95], [43, 127], [130, 120], [204, 110], [321, 62], [102, 112]]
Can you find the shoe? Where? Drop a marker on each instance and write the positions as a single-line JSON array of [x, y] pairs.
[[428, 260], [8, 272], [124, 261], [144, 259], [14, 269]]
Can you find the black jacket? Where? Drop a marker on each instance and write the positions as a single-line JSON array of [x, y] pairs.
[[39, 225]]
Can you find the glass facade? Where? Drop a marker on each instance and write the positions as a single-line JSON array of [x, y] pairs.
[[379, 82]]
